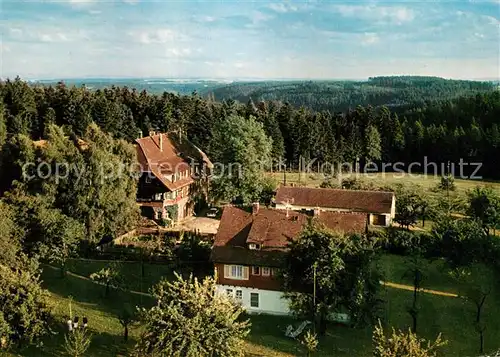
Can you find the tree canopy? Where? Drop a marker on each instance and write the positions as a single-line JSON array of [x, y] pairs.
[[85, 186], [415, 117], [242, 150], [192, 320], [341, 266]]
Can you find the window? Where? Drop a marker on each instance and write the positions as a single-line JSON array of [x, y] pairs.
[[255, 270], [239, 294], [266, 271], [237, 272], [254, 300], [229, 292], [148, 179], [254, 246]]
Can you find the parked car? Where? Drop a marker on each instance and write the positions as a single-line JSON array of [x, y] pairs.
[[213, 212]]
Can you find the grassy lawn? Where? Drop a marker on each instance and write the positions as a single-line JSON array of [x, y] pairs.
[[427, 182], [451, 316], [131, 271], [87, 300]]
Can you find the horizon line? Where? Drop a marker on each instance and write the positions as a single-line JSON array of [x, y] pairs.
[[240, 78]]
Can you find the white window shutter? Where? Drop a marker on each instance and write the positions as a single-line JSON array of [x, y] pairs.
[[245, 273]]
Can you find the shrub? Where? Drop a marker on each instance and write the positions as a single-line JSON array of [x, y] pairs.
[[447, 183]]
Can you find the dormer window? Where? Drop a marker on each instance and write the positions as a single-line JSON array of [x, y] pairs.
[[254, 246]]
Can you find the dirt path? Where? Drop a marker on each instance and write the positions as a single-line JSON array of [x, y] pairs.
[[410, 288], [81, 277]]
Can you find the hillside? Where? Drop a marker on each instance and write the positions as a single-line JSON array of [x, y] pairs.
[[342, 95]]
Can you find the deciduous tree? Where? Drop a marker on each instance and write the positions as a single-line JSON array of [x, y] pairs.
[[191, 319], [404, 344], [109, 277], [24, 312], [484, 204], [242, 151], [341, 268]]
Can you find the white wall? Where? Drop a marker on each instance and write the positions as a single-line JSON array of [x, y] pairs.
[[270, 302], [388, 218]]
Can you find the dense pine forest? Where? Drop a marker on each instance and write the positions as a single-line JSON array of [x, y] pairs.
[[386, 119], [396, 92]]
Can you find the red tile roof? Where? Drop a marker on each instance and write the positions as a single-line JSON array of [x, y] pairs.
[[272, 229], [353, 200], [165, 154]]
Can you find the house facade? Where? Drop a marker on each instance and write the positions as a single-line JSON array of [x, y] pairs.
[[250, 249], [379, 206], [173, 174]]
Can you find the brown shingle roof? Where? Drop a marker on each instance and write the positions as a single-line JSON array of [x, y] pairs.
[[272, 229], [174, 156], [353, 200]]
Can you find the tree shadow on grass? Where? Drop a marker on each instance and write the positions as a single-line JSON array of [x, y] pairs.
[[92, 294]]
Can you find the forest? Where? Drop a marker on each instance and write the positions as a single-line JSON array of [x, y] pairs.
[[446, 129], [396, 92], [55, 233]]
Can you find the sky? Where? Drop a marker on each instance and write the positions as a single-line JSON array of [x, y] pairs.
[[51, 39]]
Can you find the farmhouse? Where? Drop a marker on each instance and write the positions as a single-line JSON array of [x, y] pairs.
[[250, 247], [173, 175], [379, 206]]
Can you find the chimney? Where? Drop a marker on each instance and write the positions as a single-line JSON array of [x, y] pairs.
[[161, 142], [255, 208]]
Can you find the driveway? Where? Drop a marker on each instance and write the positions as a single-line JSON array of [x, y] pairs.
[[204, 225]]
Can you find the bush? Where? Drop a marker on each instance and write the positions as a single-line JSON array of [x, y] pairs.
[[329, 184], [447, 183], [402, 242]]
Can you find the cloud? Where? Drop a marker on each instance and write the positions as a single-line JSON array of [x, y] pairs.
[[370, 38], [47, 34], [282, 39], [158, 36], [397, 14], [282, 7], [256, 18], [179, 52]]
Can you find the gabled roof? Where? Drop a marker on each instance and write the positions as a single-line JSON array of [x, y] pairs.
[[353, 200], [164, 155], [272, 229]]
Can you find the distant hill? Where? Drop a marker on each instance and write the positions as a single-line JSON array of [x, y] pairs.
[[396, 92], [339, 96]]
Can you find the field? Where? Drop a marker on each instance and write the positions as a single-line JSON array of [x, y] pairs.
[[426, 182], [451, 316]]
